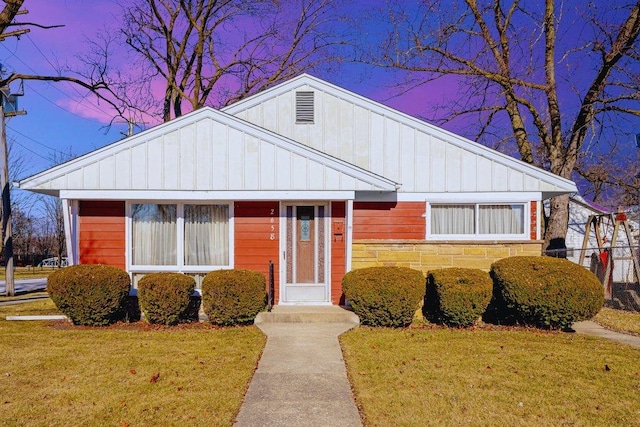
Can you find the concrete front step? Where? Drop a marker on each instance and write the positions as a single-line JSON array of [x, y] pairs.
[[307, 314]]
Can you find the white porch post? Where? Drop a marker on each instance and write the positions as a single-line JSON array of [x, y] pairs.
[[70, 215], [349, 242]]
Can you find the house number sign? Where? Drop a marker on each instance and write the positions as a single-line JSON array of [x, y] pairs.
[[272, 234]]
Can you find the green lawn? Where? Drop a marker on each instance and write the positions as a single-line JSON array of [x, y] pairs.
[[55, 374], [28, 272], [491, 377], [619, 320]]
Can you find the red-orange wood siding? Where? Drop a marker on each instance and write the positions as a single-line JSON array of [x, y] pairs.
[[338, 243], [389, 220], [102, 233], [257, 238]]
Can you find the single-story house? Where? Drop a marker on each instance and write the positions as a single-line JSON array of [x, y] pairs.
[[310, 176]]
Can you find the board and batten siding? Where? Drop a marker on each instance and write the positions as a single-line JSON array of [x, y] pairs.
[[102, 233], [421, 158], [207, 151]]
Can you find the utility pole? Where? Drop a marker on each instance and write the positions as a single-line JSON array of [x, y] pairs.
[[7, 241], [7, 100]]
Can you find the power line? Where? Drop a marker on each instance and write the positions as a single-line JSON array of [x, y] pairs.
[[56, 105], [89, 106], [33, 140], [31, 151], [41, 53], [72, 87]]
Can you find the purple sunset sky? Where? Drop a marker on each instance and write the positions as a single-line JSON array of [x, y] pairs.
[[56, 123]]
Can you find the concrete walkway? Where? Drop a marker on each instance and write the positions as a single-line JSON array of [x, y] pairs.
[[592, 328], [301, 378]]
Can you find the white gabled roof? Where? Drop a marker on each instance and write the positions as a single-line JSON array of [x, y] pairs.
[[423, 157], [206, 150]]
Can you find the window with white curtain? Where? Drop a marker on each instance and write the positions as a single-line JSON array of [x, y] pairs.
[[179, 236], [154, 234], [477, 220], [206, 235]]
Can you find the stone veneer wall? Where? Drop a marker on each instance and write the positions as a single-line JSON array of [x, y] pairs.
[[426, 256]]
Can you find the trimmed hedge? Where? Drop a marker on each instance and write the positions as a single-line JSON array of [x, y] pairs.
[[90, 294], [384, 296], [233, 297], [544, 292], [165, 298], [457, 296]]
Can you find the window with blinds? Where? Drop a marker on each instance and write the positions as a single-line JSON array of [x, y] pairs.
[[304, 107]]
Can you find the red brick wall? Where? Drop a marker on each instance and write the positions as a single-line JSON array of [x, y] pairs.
[[102, 233]]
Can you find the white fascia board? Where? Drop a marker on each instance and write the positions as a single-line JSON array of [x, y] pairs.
[[485, 197], [205, 195], [549, 194], [563, 185]]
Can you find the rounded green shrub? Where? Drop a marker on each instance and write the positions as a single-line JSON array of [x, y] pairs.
[[457, 296], [233, 297], [545, 292], [384, 296], [165, 298], [89, 294]]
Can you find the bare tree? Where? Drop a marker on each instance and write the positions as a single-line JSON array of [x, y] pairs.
[[54, 221], [213, 52], [612, 177], [554, 78], [8, 13]]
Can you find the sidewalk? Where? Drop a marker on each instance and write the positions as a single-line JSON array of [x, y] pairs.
[[301, 378], [592, 328]]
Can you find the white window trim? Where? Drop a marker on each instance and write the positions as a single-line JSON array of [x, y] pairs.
[[180, 267], [476, 236]]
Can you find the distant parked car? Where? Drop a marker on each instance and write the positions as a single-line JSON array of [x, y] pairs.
[[53, 262]]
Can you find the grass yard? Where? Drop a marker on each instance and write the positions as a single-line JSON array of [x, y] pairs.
[[55, 374], [28, 272], [619, 320], [490, 376]]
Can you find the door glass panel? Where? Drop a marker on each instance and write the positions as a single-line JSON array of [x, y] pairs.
[[305, 244]]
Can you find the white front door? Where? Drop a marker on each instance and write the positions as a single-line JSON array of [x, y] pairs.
[[305, 267]]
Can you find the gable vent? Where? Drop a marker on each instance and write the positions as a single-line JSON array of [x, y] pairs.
[[304, 107]]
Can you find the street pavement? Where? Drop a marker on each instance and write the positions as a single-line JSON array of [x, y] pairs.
[[25, 285]]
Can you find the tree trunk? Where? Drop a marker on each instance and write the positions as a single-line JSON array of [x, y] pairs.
[[556, 225]]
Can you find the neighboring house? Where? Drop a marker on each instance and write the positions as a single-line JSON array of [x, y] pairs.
[[579, 212], [307, 175]]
